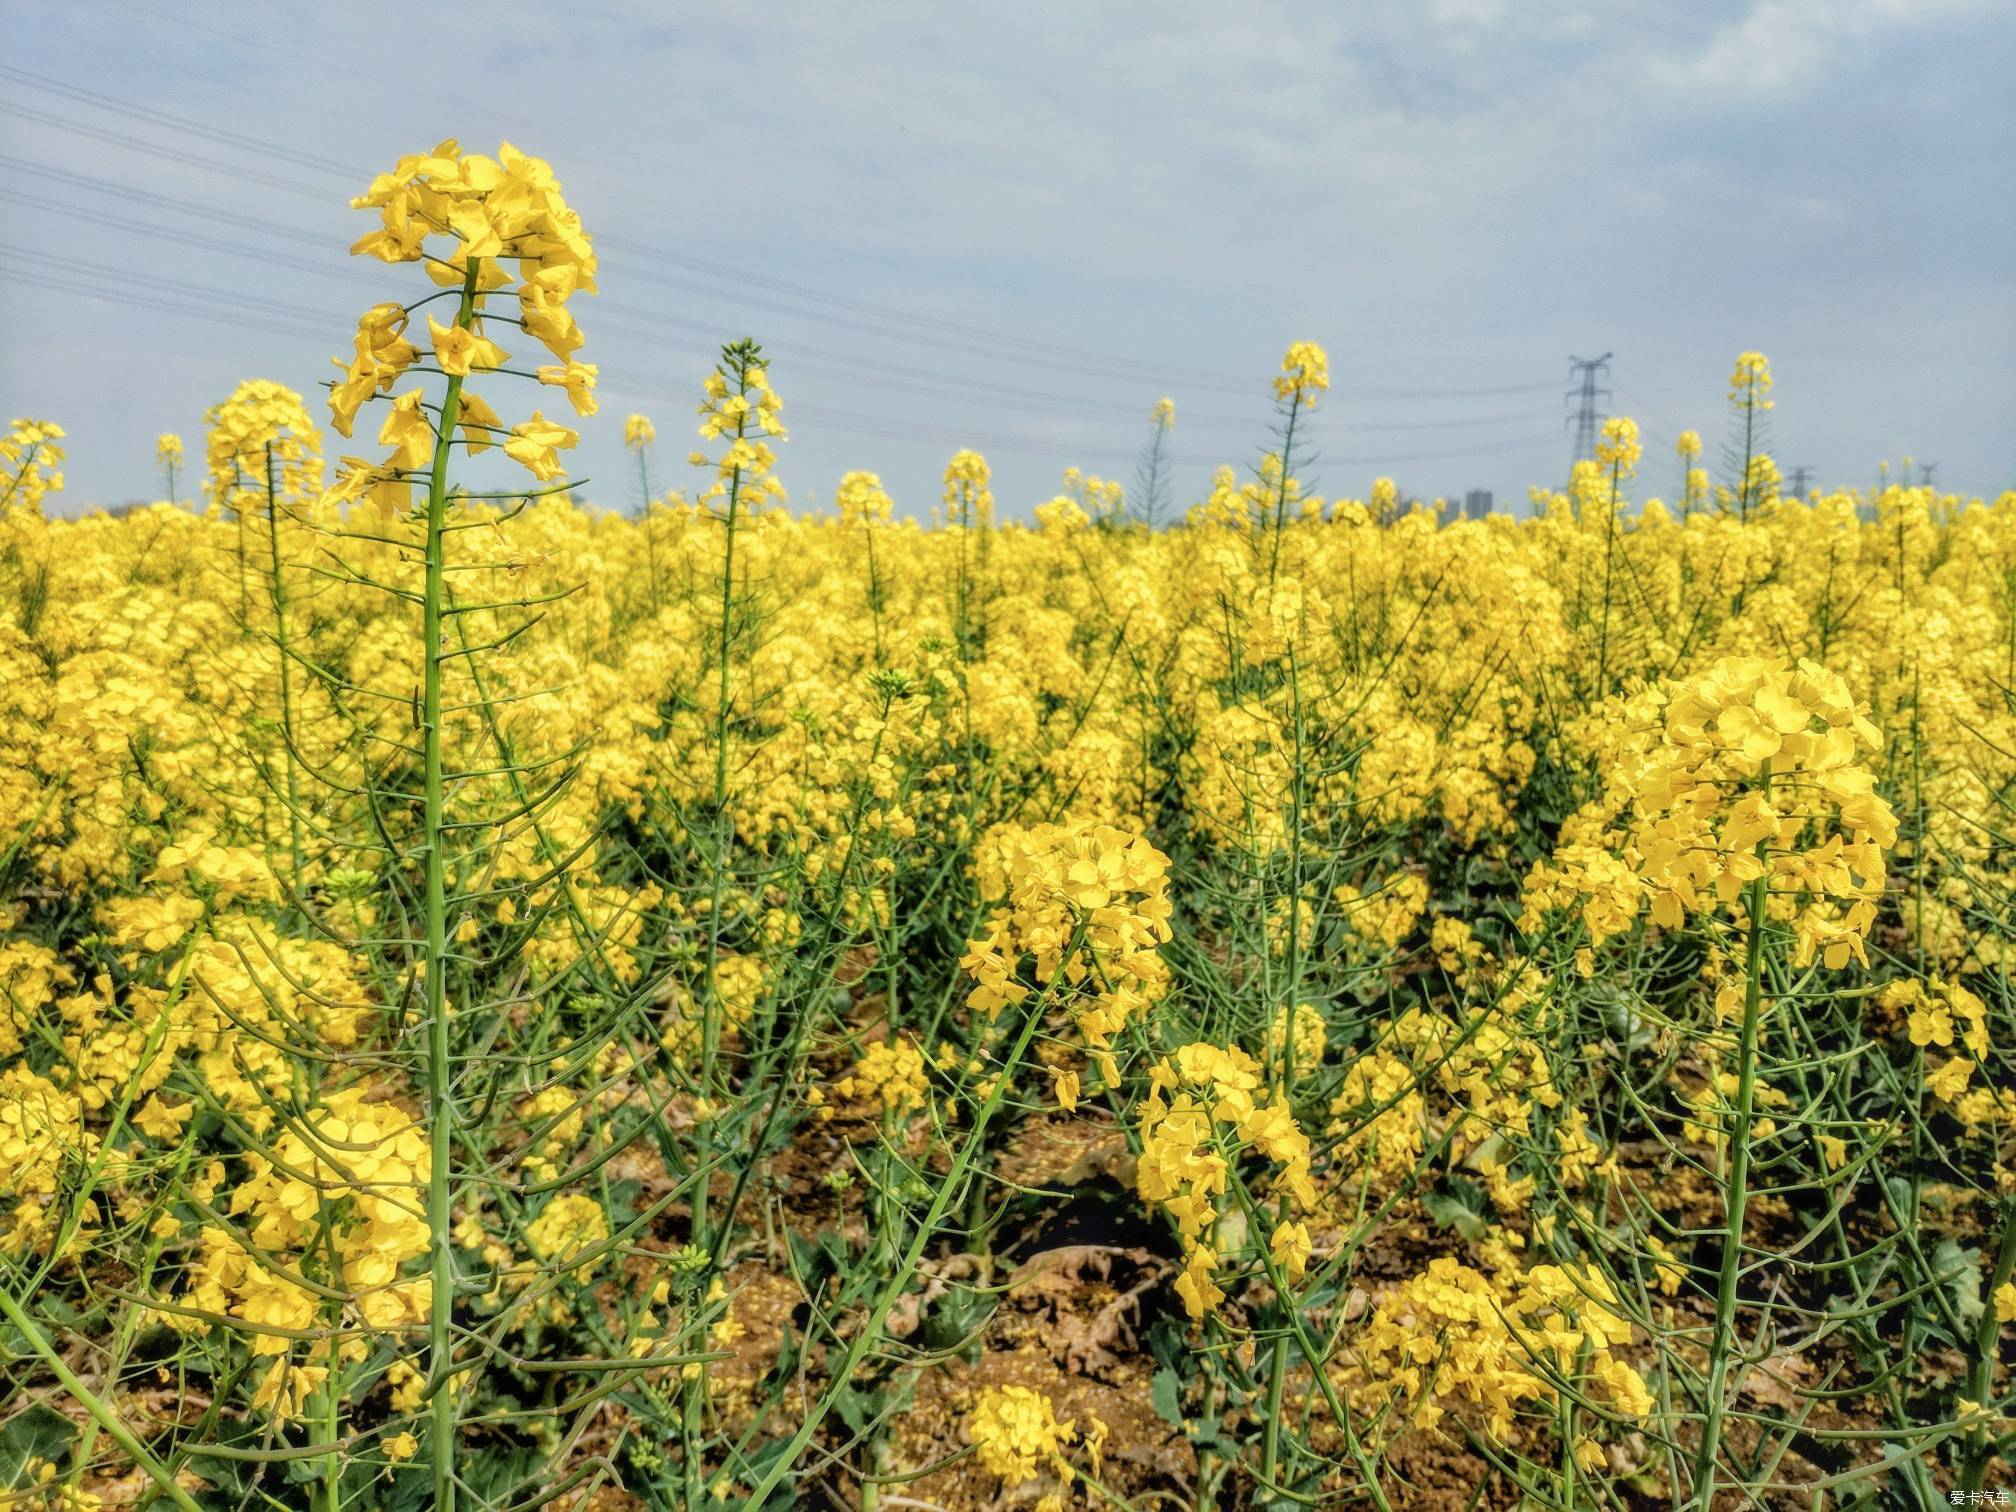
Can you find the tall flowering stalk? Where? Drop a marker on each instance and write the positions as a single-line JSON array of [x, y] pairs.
[[969, 506], [638, 435], [30, 454], [1304, 376], [1693, 482], [262, 464], [168, 454], [1740, 798], [1618, 452], [865, 510], [741, 409], [1151, 490], [481, 227], [1750, 406], [258, 446]]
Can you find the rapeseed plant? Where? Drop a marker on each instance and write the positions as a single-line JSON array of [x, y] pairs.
[[501, 1001]]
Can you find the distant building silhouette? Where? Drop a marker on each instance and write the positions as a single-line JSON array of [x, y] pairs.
[[1477, 504]]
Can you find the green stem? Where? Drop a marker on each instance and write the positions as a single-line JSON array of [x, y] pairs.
[[739, 358], [1981, 1370], [1315, 1356], [440, 1067], [286, 669], [1609, 558], [710, 1028], [1735, 1199], [1281, 495], [1270, 1442], [870, 1332], [95, 1405], [1208, 1469], [328, 1429], [244, 590], [644, 519], [874, 595]]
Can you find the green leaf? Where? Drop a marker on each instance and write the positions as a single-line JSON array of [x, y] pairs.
[[38, 1433], [1165, 1395], [955, 1319], [501, 1475], [1458, 1204], [856, 1408], [1960, 1270], [411, 1487], [232, 1480]]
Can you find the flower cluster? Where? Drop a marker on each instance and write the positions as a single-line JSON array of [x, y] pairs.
[[1297, 1037], [739, 406], [1205, 1110], [327, 1226], [1015, 1432], [261, 432], [569, 1226], [42, 1136], [1618, 447], [969, 495], [488, 211], [1751, 771], [30, 453], [1452, 1336], [889, 1073], [1304, 375], [1475, 1073], [1087, 905], [1750, 382], [862, 501], [1950, 1024]]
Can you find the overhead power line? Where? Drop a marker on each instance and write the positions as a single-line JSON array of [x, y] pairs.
[[155, 149], [888, 322], [212, 314], [812, 360], [127, 192], [704, 279], [1670, 426], [221, 307], [152, 117]]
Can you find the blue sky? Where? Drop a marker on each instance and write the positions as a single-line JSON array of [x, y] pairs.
[[1016, 227]]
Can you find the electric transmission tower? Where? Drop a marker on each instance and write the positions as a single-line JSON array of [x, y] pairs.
[[1588, 393], [1925, 473], [1795, 486]]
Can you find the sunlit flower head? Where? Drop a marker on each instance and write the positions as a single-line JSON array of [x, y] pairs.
[[1750, 383], [1015, 1431], [1305, 373], [969, 500], [480, 226], [261, 422], [1618, 447], [861, 500]]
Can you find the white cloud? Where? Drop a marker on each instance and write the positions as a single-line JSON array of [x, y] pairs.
[[1781, 47]]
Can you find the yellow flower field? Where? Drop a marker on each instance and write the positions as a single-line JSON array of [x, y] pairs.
[[508, 1003]]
